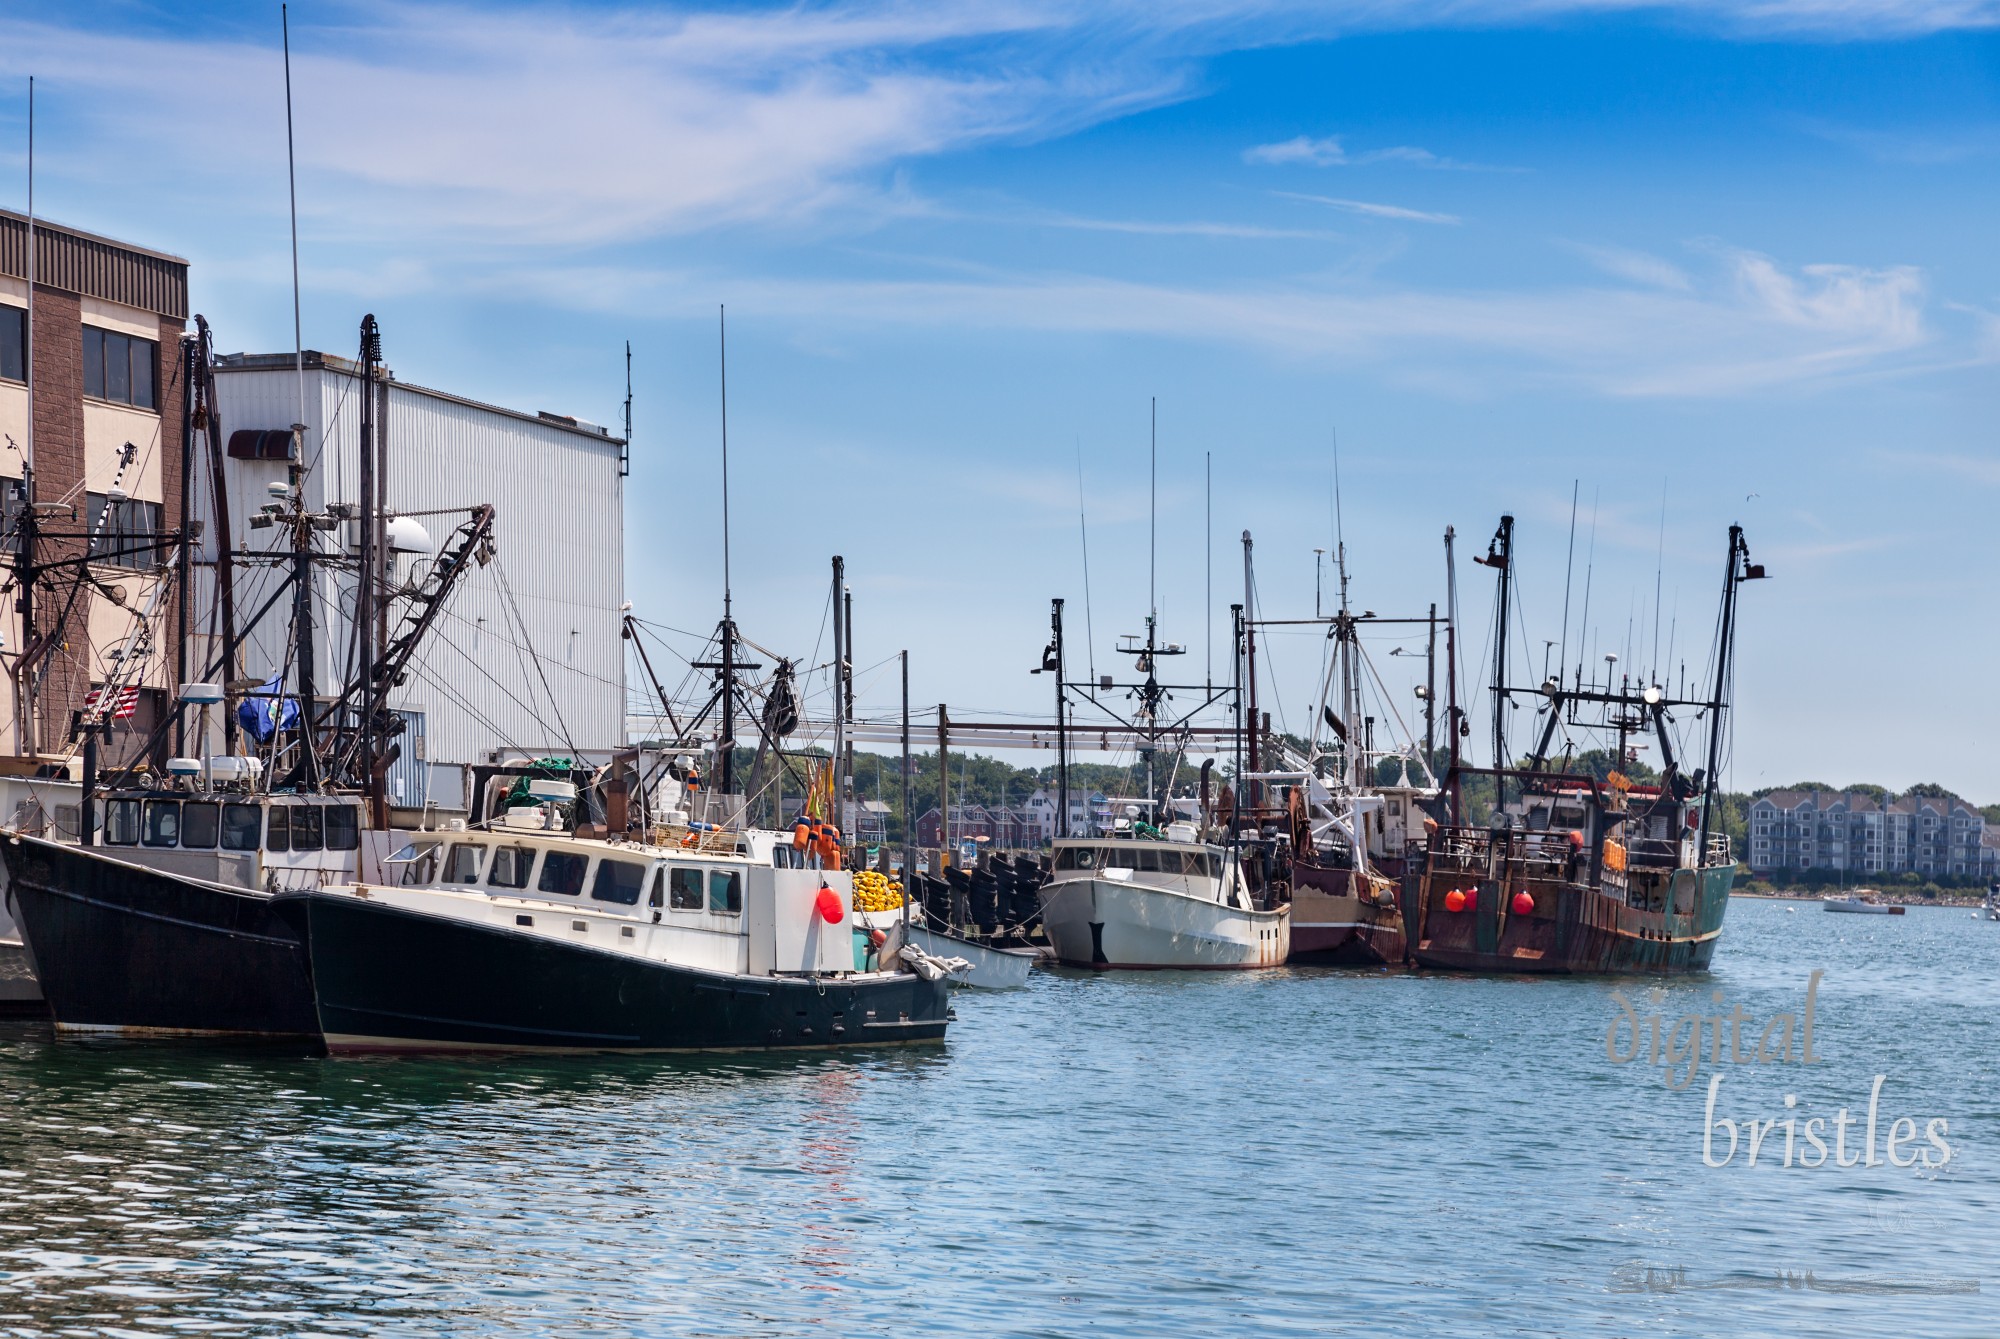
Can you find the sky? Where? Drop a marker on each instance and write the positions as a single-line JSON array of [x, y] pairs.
[[1689, 264]]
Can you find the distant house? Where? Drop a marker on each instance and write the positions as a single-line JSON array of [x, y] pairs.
[[1796, 830], [1011, 828]]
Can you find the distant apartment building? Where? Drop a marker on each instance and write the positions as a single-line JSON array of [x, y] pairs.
[[1800, 830]]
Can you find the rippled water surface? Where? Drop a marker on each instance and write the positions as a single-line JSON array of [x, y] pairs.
[[1297, 1152]]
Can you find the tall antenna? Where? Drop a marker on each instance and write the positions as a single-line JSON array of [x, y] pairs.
[[1589, 568], [1083, 529], [292, 185], [1659, 565], [1208, 558], [625, 451], [1569, 571], [28, 361], [1153, 518], [722, 336]]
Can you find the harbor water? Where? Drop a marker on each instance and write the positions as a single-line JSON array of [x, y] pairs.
[[1292, 1152]]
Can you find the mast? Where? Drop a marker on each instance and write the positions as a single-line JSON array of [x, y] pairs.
[[1236, 673], [909, 799], [1430, 692], [1452, 723], [302, 623], [225, 566], [726, 747], [25, 725], [365, 590], [1062, 721], [1500, 555], [184, 559], [1738, 570], [849, 811], [839, 760], [1249, 658]]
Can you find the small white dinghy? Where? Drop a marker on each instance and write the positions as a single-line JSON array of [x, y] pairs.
[[992, 967]]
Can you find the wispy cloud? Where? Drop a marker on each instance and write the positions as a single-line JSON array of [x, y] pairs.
[[1372, 209], [1749, 326], [573, 124], [1329, 151], [1637, 266]]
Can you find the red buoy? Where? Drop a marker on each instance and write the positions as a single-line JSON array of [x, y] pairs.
[[1523, 904], [1454, 901], [830, 908], [1472, 899]]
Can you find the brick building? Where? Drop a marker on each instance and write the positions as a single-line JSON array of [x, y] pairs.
[[105, 451]]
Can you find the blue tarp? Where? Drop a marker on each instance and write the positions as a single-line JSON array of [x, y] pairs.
[[267, 710]]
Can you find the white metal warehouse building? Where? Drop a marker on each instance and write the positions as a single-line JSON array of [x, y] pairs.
[[526, 657]]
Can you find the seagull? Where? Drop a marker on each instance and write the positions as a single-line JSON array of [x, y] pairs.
[[1753, 495]]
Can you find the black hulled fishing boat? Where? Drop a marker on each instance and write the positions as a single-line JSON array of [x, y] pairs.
[[521, 935], [161, 918]]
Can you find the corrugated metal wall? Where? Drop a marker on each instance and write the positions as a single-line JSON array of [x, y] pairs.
[[559, 528]]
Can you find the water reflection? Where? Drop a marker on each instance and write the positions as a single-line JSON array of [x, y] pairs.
[[1266, 1153]]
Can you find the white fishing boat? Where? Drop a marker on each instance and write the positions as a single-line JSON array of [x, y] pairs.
[[1131, 900], [1860, 906]]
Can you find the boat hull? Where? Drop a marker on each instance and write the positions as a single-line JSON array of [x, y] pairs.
[[1862, 908], [388, 978], [120, 947], [1332, 926], [1573, 929], [1108, 925], [992, 968]]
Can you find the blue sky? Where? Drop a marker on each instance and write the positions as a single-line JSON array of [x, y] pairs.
[[1735, 256]]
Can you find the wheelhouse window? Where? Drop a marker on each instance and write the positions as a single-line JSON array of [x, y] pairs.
[[121, 823], [685, 889], [242, 825], [119, 367], [14, 343], [1077, 857], [461, 863], [618, 881], [343, 828], [725, 891], [279, 838], [510, 867], [200, 822], [417, 862], [563, 873], [308, 834], [162, 823]]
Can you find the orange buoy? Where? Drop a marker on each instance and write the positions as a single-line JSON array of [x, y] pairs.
[[1454, 901], [1576, 839], [829, 906], [1524, 905], [1472, 899], [801, 835]]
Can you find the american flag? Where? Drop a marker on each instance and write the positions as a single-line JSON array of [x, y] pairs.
[[121, 701]]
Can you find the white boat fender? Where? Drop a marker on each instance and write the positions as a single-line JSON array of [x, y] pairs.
[[933, 968]]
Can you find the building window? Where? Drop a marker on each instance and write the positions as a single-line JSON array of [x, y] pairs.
[[122, 532], [14, 343], [118, 367]]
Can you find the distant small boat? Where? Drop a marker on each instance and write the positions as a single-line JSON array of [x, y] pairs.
[[1861, 907]]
